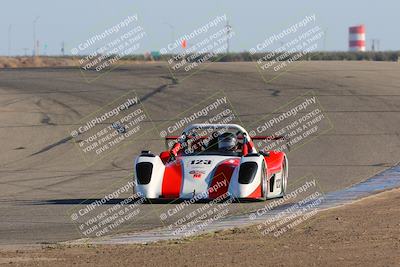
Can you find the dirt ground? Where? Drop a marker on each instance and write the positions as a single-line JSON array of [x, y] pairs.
[[365, 233]]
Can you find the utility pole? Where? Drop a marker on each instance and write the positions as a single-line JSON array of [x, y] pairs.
[[228, 31], [63, 48], [375, 44], [37, 47], [9, 40], [34, 36]]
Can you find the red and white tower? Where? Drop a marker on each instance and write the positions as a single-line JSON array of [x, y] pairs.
[[357, 38]]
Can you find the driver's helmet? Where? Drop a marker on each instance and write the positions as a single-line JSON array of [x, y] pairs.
[[227, 141]]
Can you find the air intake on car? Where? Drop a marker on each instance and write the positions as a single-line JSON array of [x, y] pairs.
[[143, 172], [247, 172]]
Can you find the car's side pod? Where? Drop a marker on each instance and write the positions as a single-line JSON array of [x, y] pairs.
[[248, 177], [149, 171]]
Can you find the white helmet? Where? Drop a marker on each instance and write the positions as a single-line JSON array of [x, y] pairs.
[[227, 141]]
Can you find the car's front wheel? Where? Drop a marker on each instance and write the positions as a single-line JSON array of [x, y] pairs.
[[284, 177], [264, 183]]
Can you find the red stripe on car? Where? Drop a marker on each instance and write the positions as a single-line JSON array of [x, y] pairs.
[[256, 193], [274, 161], [223, 173], [172, 180]]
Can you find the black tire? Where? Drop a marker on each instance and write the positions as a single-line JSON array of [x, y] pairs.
[[264, 184], [284, 177]]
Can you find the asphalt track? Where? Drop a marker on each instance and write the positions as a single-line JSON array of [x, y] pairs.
[[43, 176]]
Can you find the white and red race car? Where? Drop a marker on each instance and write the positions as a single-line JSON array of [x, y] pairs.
[[209, 161]]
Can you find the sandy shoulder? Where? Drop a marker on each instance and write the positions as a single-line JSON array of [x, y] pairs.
[[365, 233]]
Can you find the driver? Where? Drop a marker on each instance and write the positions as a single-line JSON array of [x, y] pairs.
[[227, 142]]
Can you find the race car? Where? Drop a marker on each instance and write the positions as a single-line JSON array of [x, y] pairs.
[[210, 161]]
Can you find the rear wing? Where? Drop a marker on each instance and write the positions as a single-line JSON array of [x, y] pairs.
[[257, 137], [268, 138], [173, 137]]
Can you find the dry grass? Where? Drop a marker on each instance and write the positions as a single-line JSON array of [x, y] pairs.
[[40, 62], [31, 62]]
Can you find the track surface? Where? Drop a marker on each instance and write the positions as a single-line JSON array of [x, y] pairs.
[[39, 106]]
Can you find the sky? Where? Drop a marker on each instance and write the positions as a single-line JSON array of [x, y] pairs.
[[74, 21]]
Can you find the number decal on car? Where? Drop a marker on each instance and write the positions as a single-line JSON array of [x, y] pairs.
[[200, 161]]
